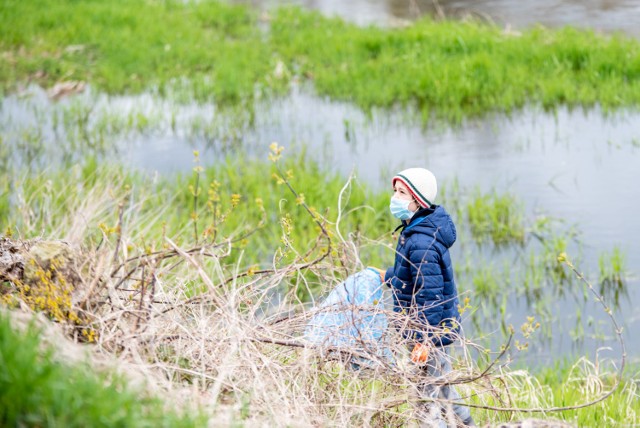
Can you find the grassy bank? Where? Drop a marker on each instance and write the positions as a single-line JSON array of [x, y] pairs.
[[569, 383], [247, 372], [208, 50], [252, 255], [122, 46], [37, 388], [40, 388]]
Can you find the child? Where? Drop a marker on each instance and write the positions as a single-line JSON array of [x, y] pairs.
[[422, 280]]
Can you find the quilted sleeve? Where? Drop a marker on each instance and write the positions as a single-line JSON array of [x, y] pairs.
[[428, 287]]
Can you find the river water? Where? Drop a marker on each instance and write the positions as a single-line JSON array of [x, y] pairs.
[[600, 15]]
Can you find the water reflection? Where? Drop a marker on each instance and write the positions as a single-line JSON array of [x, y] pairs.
[[601, 15]]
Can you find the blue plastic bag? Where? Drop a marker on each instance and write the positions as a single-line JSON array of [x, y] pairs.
[[352, 317]]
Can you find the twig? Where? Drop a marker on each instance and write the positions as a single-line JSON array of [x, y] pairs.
[[119, 228]]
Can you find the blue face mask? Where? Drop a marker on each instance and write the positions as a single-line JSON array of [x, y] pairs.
[[400, 208]]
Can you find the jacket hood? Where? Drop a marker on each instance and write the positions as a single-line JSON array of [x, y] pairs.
[[433, 221]]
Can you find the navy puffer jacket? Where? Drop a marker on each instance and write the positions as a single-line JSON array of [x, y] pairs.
[[422, 276]]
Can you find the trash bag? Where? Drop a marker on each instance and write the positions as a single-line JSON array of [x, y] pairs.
[[352, 317]]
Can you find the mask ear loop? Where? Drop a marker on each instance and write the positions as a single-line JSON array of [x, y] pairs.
[[417, 205]]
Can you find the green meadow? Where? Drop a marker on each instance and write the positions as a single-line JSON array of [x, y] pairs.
[[282, 223]]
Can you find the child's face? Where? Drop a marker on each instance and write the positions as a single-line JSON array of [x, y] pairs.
[[400, 191]]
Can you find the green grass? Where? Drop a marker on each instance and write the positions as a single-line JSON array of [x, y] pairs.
[[169, 203], [38, 390], [613, 274], [486, 284], [132, 46], [455, 69], [499, 218], [209, 50], [569, 384]]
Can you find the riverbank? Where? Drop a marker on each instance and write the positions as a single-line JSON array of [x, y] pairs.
[[240, 234]]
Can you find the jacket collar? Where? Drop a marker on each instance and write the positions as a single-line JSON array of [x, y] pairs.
[[417, 218]]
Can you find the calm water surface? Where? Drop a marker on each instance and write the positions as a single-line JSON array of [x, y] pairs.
[[605, 16]]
